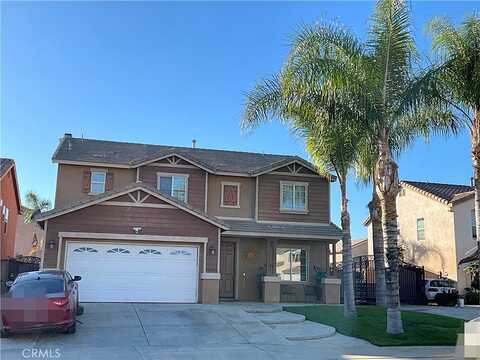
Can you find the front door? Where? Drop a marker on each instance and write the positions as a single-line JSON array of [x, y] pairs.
[[227, 270]]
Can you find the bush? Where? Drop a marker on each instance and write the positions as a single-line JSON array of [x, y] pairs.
[[445, 299], [472, 297]]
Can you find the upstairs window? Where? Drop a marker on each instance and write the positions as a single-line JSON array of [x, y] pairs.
[[474, 224], [174, 185], [420, 229], [293, 196], [230, 195], [97, 182]]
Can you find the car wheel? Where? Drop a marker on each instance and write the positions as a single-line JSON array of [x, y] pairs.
[[72, 328], [4, 334]]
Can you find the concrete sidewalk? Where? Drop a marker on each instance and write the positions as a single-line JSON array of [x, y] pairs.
[[203, 332]]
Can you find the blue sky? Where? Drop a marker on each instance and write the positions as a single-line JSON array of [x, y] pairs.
[[167, 73]]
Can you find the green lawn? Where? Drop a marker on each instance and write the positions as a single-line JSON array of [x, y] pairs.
[[370, 324]]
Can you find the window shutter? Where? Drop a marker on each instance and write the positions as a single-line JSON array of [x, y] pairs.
[[109, 181], [87, 175]]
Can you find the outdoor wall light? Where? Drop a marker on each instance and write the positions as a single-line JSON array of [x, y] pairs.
[[137, 229], [211, 251], [51, 244]]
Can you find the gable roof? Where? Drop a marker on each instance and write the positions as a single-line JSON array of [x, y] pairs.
[[446, 193], [131, 155], [96, 199], [5, 166]]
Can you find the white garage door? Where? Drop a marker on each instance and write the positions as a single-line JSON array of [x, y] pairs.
[[134, 273]]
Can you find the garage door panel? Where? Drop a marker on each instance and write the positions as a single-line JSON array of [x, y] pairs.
[[134, 273]]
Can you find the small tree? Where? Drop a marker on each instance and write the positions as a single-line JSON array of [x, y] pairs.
[[34, 204]]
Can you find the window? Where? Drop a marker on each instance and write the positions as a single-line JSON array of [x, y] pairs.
[[85, 249], [5, 213], [293, 196], [230, 195], [97, 182], [118, 251], [173, 185], [150, 251], [474, 224], [420, 229], [292, 264]]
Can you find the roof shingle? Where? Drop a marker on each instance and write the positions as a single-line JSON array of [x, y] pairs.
[[279, 229], [445, 192], [5, 165], [132, 154]]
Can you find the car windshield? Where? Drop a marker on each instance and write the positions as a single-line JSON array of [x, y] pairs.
[[42, 288], [440, 283]]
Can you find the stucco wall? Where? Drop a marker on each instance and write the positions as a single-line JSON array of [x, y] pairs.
[[437, 252], [24, 238], [464, 240], [247, 197]]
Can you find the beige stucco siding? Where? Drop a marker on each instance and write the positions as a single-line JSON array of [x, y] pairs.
[[437, 252], [70, 177], [464, 240], [247, 197]]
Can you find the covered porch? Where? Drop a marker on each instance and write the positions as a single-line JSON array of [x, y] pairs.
[[278, 262]]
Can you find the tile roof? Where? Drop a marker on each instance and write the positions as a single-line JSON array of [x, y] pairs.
[[5, 165], [281, 229], [444, 192], [133, 154], [95, 199]]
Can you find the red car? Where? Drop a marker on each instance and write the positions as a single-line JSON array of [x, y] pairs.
[[41, 300]]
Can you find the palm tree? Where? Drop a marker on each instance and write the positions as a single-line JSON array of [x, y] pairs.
[[326, 121], [453, 82], [34, 204]]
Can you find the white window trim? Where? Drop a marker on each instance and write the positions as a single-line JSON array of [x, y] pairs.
[[294, 211], [307, 260], [418, 239], [104, 181], [237, 184], [166, 174]]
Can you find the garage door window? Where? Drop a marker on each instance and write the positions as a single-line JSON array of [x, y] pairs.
[[118, 251], [85, 249], [150, 251]]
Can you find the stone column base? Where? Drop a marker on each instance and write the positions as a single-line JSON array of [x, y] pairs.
[[271, 289], [331, 290], [210, 288]]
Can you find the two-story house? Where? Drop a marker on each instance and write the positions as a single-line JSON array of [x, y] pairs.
[[436, 225], [173, 224]]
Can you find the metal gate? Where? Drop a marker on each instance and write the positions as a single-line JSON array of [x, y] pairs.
[[411, 281]]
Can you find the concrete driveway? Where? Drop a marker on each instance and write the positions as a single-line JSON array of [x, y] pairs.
[[163, 331]]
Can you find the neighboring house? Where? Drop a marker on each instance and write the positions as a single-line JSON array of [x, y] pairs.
[[10, 207], [173, 224], [29, 237], [360, 247], [436, 227]]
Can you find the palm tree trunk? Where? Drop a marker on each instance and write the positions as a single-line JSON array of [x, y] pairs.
[[378, 246], [349, 308], [387, 189], [476, 169]]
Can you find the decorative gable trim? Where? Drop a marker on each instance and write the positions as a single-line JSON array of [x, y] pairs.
[[173, 161]]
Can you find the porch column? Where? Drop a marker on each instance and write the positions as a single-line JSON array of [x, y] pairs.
[[210, 284], [271, 282], [334, 260], [271, 257]]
